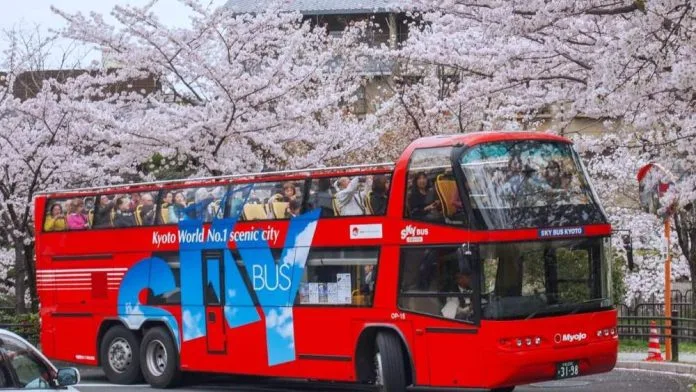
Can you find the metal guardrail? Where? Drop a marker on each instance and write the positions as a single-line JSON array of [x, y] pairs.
[[682, 329]]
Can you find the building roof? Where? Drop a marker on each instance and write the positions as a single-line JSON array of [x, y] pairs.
[[314, 7], [28, 84]]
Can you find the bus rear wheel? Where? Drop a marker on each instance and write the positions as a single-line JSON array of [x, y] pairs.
[[504, 389], [118, 355], [390, 368], [159, 359]]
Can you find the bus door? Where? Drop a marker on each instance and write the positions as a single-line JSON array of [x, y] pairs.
[[439, 285], [213, 295]]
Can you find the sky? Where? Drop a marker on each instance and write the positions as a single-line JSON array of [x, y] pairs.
[[26, 14]]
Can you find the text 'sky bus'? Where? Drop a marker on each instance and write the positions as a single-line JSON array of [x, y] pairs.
[[378, 274]]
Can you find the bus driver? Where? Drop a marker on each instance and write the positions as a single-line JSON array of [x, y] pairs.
[[459, 307]]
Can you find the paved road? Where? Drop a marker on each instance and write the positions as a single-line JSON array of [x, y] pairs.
[[617, 381]]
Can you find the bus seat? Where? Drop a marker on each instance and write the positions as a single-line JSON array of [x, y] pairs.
[[278, 208], [254, 212], [336, 208], [368, 204], [447, 191], [138, 215], [358, 299], [164, 213]]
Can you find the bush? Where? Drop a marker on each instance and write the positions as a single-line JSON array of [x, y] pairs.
[[24, 325]]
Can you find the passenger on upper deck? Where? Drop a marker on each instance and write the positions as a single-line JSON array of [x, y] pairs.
[[134, 201], [289, 192], [199, 209], [77, 219], [348, 198], [177, 210], [56, 220], [124, 216], [323, 198], [102, 213], [293, 209], [378, 196], [168, 199], [422, 203], [147, 211]]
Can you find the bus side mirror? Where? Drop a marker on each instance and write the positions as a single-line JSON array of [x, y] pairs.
[[628, 246]]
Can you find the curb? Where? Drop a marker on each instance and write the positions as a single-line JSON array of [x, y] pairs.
[[671, 367]]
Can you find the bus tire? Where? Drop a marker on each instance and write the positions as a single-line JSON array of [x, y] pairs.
[[504, 389], [390, 368], [119, 355], [159, 359]]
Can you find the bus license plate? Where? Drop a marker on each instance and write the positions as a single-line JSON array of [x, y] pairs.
[[567, 369]]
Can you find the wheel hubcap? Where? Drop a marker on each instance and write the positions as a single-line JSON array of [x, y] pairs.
[[156, 358], [379, 371], [120, 355]]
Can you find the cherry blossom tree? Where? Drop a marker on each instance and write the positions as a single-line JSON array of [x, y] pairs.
[[493, 64], [55, 137], [240, 92]]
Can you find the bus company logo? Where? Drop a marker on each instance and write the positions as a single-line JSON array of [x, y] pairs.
[[371, 231], [561, 232], [569, 337], [412, 233]]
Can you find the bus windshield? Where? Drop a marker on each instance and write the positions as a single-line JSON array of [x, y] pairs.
[[534, 279], [519, 184]]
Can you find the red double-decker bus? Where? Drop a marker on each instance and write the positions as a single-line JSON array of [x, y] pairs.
[[477, 260]]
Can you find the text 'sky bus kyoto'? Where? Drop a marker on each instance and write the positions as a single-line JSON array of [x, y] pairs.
[[476, 260]]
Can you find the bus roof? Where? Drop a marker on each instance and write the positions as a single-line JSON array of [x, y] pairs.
[[469, 139], [222, 180]]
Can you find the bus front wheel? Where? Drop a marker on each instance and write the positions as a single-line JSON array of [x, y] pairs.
[[159, 359], [505, 389], [119, 353], [390, 368]]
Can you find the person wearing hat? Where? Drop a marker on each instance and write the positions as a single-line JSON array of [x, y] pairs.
[[459, 307]]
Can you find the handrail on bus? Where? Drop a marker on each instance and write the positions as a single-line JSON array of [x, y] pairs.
[[250, 176]]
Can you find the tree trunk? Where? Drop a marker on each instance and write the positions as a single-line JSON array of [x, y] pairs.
[[20, 276], [31, 276], [685, 224]]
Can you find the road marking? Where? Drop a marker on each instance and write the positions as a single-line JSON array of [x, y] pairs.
[[688, 375], [107, 385]]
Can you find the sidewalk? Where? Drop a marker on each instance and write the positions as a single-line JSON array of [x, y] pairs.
[[685, 366], [633, 357]]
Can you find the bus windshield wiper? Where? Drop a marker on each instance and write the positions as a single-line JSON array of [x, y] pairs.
[[558, 308], [546, 310], [582, 304]]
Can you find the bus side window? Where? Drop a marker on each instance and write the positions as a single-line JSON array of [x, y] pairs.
[[350, 196], [339, 276], [432, 193], [438, 281]]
